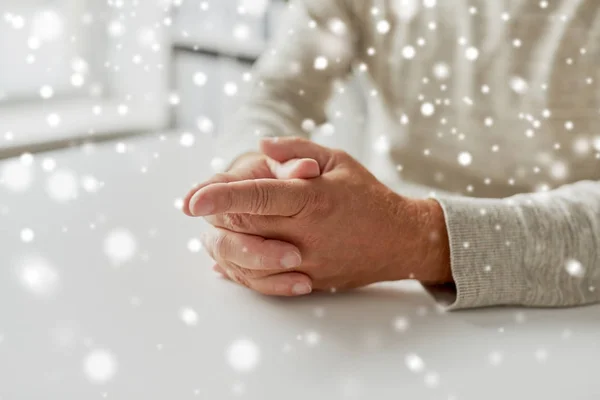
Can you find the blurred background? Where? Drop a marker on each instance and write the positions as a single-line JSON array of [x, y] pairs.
[[90, 70]]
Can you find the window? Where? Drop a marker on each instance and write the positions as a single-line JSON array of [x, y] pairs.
[[75, 68]]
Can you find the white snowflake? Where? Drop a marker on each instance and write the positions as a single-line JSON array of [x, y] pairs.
[[62, 186], [241, 31], [337, 26], [472, 53], [414, 363], [383, 27], [27, 235], [495, 358], [187, 139], [116, 28], [581, 145], [189, 316], [174, 99], [401, 324], [321, 63], [519, 85], [312, 338], [243, 355], [90, 184], [308, 125], [53, 120], [575, 268], [465, 158], [123, 109], [559, 170], [441, 71], [205, 125], [432, 379], [77, 80], [408, 52], [200, 79], [194, 245], [120, 246], [46, 92], [230, 89], [121, 147], [38, 276], [382, 144], [427, 109], [100, 366]]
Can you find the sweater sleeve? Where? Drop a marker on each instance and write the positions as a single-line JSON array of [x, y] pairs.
[[294, 78], [539, 250]]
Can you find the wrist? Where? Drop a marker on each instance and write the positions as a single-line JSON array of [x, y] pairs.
[[422, 251], [435, 249]]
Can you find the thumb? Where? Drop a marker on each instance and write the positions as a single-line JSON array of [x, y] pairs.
[[305, 168]]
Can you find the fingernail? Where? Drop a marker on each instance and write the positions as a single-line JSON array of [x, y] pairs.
[[202, 208], [291, 260], [301, 288]]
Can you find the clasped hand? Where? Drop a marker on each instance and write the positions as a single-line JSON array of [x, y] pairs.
[[300, 217]]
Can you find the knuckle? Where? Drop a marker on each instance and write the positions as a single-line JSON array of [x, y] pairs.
[[341, 156], [260, 198], [220, 243], [236, 222], [297, 140], [245, 275], [263, 261], [316, 202]]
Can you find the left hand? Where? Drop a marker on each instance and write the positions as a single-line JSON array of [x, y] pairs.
[[351, 230]]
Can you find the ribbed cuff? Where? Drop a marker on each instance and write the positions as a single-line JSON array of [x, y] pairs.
[[486, 249]]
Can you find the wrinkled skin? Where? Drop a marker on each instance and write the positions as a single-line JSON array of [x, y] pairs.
[[337, 229]]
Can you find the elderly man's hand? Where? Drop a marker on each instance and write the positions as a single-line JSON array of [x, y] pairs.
[[340, 230]]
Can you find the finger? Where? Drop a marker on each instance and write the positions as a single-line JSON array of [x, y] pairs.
[[260, 196], [266, 226], [283, 149], [286, 284], [305, 168], [218, 178], [219, 270], [251, 252]]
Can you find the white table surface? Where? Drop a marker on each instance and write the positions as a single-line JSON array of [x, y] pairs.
[[75, 325]]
